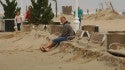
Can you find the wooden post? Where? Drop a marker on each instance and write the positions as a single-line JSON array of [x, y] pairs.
[[63, 9], [87, 11], [107, 5], [70, 9], [111, 6], [101, 5], [56, 7]]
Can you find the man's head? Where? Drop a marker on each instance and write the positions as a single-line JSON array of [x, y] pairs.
[[63, 19]]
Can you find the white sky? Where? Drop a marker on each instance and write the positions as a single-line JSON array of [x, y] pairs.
[[119, 5]]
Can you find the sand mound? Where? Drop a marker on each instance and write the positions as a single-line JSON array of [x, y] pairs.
[[106, 14], [69, 52], [24, 40], [110, 60]]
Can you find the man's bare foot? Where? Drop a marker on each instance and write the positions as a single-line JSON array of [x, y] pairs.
[[44, 49]]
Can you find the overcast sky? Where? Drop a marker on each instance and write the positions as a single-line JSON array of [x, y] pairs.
[[119, 5]]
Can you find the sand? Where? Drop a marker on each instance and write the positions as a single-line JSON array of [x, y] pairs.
[[20, 51]]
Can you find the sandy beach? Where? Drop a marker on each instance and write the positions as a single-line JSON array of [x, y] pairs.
[[20, 51]]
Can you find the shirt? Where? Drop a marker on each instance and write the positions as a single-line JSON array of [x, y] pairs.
[[67, 30], [80, 13], [18, 19], [27, 15]]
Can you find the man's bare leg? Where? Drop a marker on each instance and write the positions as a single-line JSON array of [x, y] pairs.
[[47, 47]]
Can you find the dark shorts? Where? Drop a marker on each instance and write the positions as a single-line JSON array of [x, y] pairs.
[[18, 26]]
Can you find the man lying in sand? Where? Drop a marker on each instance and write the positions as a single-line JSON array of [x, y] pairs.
[[67, 32]]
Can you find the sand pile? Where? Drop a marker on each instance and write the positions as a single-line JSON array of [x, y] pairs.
[[106, 14], [24, 40], [110, 60], [70, 52]]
